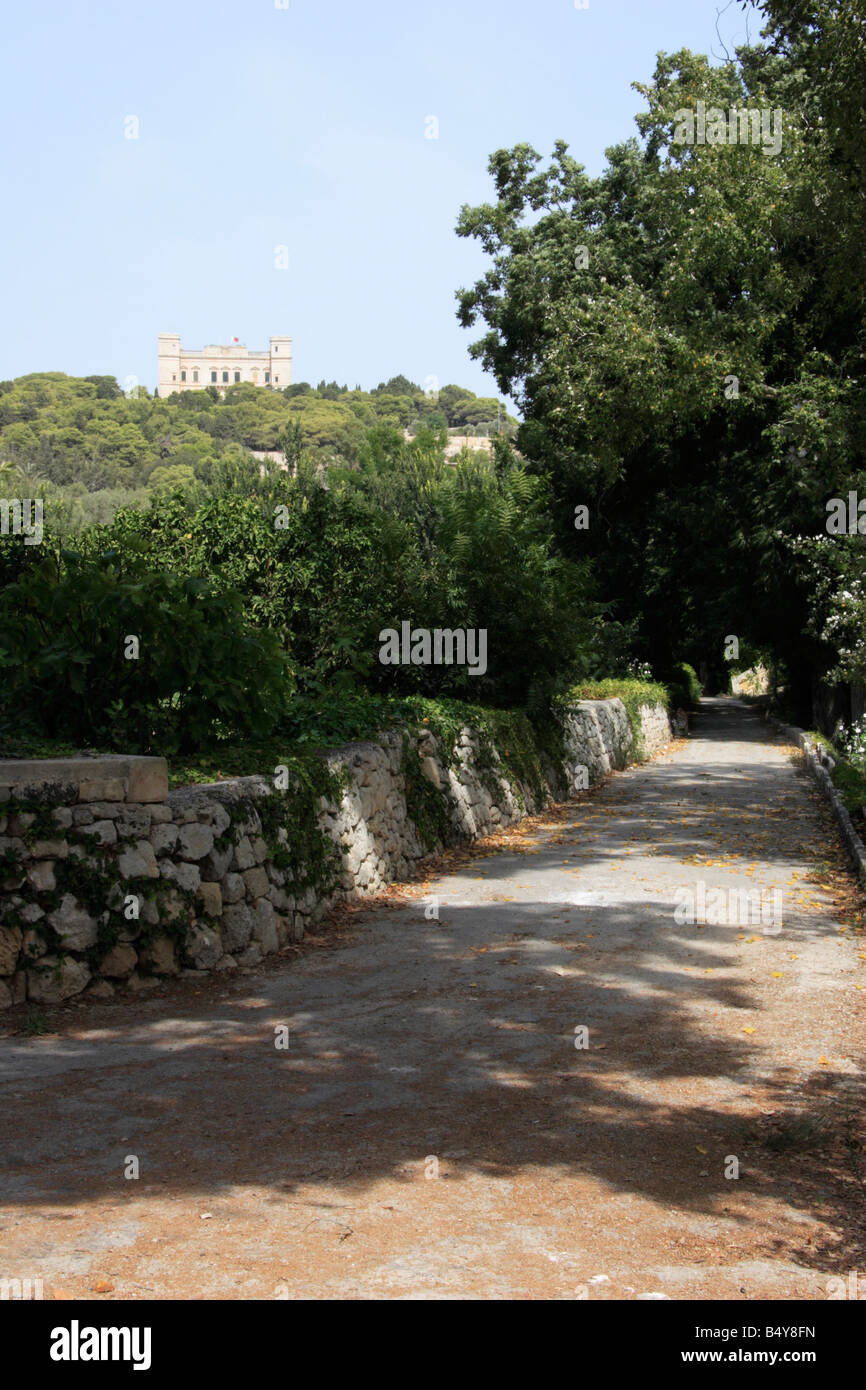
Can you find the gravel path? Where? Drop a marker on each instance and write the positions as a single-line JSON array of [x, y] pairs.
[[432, 1130]]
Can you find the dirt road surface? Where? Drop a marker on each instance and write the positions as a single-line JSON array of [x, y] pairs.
[[434, 1128]]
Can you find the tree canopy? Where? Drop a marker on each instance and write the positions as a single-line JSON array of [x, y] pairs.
[[684, 335]]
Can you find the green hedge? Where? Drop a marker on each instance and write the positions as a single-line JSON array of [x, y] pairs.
[[684, 687]]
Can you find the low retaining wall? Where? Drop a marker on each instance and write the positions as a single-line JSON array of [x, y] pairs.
[[108, 880], [820, 765]]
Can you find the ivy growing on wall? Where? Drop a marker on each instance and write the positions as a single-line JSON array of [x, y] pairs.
[[92, 879]]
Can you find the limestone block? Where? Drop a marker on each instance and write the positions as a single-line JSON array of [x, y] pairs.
[[195, 841], [159, 955], [244, 858], [430, 770], [260, 849], [251, 956], [210, 895], [256, 881], [216, 816], [40, 876], [53, 980], [279, 897], [138, 862], [33, 945], [105, 810], [172, 908], [216, 864], [119, 962], [265, 926], [133, 822], [236, 926], [49, 849], [163, 837], [139, 984], [102, 789], [148, 912], [10, 946], [204, 948], [186, 876], [105, 831], [233, 888], [147, 779], [73, 924]]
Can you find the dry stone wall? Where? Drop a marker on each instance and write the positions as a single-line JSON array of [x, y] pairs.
[[109, 881]]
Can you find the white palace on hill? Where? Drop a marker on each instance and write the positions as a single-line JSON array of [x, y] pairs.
[[193, 369]]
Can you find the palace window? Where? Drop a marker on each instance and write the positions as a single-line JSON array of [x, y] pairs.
[[225, 376], [237, 376], [195, 375], [276, 378], [183, 376], [213, 376]]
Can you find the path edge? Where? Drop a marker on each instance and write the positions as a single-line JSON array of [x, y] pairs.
[[814, 757]]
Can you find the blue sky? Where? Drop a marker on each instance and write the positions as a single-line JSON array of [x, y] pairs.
[[302, 127]]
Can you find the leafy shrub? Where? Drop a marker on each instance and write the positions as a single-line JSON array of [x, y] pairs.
[[436, 546], [684, 686], [851, 742], [200, 673]]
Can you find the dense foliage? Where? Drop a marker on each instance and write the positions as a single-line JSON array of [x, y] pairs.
[[264, 595], [113, 650], [103, 448], [685, 336]]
